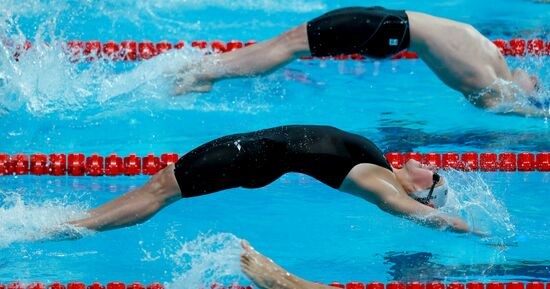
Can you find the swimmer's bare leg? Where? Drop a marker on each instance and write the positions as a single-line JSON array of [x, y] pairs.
[[258, 59], [136, 206], [268, 275]]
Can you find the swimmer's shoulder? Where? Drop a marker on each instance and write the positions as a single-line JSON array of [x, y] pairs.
[[370, 181]]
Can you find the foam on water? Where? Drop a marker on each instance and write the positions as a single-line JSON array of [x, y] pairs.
[[262, 5], [46, 81], [24, 221], [471, 198], [514, 98], [207, 260]]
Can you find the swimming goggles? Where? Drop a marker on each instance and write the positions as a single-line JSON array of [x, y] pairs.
[[435, 179]]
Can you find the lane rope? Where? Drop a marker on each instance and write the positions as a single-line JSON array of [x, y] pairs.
[[350, 285], [78, 164], [131, 50]]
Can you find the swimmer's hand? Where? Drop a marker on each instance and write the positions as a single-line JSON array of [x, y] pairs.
[[186, 83], [62, 232], [193, 77], [481, 234]]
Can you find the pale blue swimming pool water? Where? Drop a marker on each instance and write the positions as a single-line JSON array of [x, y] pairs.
[[53, 105]]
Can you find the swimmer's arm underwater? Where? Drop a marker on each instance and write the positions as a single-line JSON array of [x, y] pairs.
[[405, 206], [509, 101]]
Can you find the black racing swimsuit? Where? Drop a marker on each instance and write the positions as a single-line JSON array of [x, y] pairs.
[[255, 159], [372, 31]]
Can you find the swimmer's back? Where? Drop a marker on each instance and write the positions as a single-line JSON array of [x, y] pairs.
[[255, 159]]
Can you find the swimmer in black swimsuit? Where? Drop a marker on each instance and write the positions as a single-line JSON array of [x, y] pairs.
[[341, 160], [456, 52]]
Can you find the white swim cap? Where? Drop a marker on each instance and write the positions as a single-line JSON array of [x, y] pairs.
[[438, 198]]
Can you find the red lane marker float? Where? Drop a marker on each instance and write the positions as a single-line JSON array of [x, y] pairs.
[[395, 285], [76, 285], [20, 164], [517, 47], [58, 164], [375, 285], [128, 50], [111, 51], [135, 285], [455, 285], [494, 285], [94, 166], [233, 45], [146, 50], [470, 161], [450, 161], [155, 285], [432, 159], [163, 47], [435, 285], [36, 285], [201, 44], [113, 165], [119, 285], [92, 49], [218, 46], [412, 156], [179, 45], [543, 162], [39, 164], [474, 285], [151, 164], [96, 285], [488, 162], [526, 162], [414, 285], [507, 162], [74, 48], [535, 46], [132, 165], [395, 160], [535, 285], [355, 285], [56, 285], [77, 164]]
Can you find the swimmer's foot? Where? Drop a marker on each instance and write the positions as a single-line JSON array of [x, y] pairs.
[[268, 275]]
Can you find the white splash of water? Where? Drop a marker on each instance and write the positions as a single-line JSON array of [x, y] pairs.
[[471, 198], [45, 80], [207, 260], [300, 6], [37, 221], [513, 99]]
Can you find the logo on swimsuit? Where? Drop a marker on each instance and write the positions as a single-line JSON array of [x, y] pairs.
[[393, 42]]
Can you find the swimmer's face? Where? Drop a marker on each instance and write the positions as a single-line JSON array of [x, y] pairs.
[[529, 83], [421, 175]]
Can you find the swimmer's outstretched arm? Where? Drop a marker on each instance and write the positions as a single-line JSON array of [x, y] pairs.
[[405, 206], [505, 100], [136, 206], [258, 59], [378, 186]]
